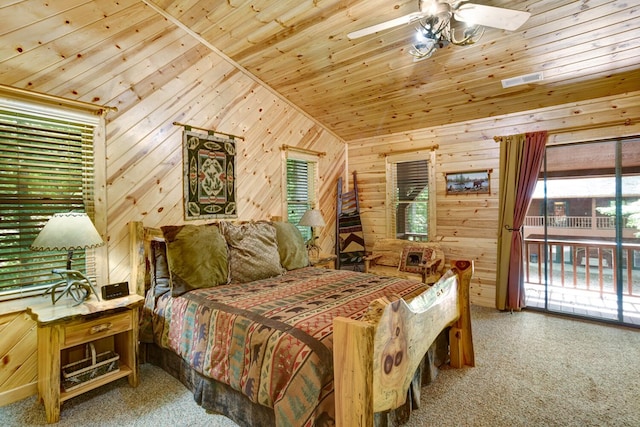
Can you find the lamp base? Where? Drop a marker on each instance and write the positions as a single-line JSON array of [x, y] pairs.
[[75, 284], [313, 249]]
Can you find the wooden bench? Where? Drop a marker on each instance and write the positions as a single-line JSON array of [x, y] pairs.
[[386, 259]]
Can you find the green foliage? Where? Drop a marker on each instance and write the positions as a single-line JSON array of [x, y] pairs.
[[630, 213]]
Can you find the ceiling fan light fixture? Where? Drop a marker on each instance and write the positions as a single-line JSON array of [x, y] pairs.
[[435, 30], [470, 35], [423, 49]]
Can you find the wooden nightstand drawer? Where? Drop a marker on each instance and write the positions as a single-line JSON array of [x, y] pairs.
[[98, 328]]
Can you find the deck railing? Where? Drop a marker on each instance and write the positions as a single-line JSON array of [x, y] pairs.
[[588, 265], [581, 222]]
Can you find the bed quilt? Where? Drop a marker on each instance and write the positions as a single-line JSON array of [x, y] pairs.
[[272, 339]]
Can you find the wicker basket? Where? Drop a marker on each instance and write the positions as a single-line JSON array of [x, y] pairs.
[[91, 368]]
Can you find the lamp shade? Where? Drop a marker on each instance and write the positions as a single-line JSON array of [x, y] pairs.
[[67, 232], [312, 218]]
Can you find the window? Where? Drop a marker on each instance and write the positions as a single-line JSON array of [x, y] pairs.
[[46, 166], [301, 188], [409, 182]]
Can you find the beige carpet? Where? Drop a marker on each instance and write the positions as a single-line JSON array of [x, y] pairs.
[[532, 370]]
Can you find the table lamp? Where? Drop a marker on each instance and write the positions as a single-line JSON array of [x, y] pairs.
[[312, 218], [68, 232]]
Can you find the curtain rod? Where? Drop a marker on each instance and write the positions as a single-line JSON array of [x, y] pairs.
[[625, 122], [209, 130], [393, 153], [39, 96], [286, 147]]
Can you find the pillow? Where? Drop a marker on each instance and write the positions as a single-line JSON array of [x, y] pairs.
[[291, 246], [414, 259], [253, 251], [197, 257], [160, 277]]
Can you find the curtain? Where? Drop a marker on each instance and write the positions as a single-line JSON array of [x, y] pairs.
[[521, 158]]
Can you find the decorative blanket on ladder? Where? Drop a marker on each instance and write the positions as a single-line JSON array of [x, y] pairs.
[[350, 238]]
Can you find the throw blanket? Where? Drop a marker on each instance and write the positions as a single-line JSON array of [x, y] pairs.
[[272, 339]]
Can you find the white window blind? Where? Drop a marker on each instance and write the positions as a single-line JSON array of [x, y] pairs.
[[46, 166]]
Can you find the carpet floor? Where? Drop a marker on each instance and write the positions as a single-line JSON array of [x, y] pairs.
[[531, 369]]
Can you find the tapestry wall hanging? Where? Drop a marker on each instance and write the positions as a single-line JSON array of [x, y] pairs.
[[209, 176]]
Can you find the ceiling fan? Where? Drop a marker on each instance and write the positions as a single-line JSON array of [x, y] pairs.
[[434, 24]]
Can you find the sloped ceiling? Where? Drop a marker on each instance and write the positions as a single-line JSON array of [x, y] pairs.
[[372, 86]]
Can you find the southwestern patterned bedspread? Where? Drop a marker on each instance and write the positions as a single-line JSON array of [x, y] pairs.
[[271, 339]]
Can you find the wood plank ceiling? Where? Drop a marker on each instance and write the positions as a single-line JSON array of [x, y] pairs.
[[372, 86]]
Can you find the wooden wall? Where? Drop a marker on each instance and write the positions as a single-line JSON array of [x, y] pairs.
[[18, 357], [124, 54], [467, 226]]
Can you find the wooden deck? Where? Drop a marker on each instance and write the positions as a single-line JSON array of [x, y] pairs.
[[579, 301], [584, 303], [581, 278]]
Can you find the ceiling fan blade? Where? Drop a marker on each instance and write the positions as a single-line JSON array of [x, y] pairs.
[[489, 16], [406, 19]]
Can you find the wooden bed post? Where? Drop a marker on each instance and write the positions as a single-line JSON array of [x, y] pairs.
[[460, 336], [137, 256], [352, 368]]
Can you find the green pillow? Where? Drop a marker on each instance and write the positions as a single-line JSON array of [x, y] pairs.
[[197, 257], [291, 246]]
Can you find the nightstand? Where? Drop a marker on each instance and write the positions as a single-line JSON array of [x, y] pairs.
[[63, 333], [323, 261]]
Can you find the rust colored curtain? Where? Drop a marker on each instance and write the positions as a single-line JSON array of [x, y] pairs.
[[521, 157]]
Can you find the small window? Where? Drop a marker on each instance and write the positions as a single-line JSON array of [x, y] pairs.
[[409, 181], [46, 167], [301, 188]]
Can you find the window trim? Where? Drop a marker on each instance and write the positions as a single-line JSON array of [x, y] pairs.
[[51, 106], [303, 155], [390, 161]]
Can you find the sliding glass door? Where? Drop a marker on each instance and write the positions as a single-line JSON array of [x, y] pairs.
[[628, 227], [582, 241]]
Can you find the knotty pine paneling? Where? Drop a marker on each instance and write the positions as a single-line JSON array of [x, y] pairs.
[[467, 225], [371, 86], [18, 357], [126, 55]]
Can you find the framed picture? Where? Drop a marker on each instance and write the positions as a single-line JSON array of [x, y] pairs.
[[472, 182]]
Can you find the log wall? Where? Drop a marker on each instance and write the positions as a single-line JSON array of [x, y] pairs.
[[467, 225]]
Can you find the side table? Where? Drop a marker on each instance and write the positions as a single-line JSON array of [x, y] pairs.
[[65, 330], [323, 261]]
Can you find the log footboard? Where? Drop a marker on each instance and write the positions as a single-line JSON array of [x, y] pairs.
[[375, 358]]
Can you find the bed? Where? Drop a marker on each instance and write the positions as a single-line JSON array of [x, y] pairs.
[[303, 347]]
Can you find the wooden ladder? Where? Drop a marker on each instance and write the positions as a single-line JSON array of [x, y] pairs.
[[350, 246]]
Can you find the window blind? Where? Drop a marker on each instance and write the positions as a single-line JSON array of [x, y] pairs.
[[46, 166], [410, 180], [300, 191]]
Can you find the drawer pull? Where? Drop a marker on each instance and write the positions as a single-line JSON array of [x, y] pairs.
[[100, 328]]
